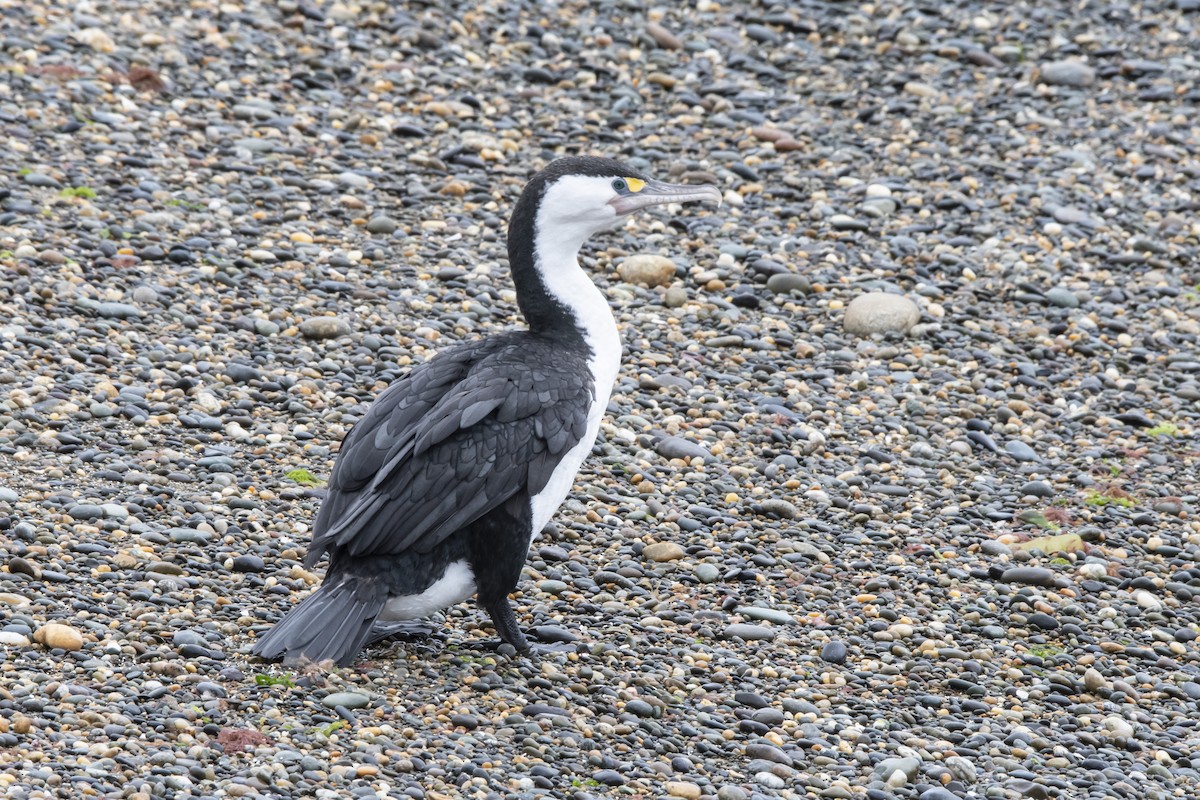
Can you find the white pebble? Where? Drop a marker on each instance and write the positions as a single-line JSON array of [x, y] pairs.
[[1146, 600]]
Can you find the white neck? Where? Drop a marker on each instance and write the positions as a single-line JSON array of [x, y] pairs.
[[557, 263]]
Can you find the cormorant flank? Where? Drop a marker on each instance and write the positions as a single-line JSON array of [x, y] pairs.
[[440, 487]]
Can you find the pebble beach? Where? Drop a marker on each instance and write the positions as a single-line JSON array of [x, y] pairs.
[[897, 493]]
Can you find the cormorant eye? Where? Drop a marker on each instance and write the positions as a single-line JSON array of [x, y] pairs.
[[619, 184]]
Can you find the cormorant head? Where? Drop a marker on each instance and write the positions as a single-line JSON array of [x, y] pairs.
[[577, 196]]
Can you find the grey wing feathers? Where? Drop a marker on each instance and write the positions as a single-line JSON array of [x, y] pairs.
[[446, 445]]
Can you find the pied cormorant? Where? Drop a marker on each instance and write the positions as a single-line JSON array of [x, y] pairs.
[[439, 488]]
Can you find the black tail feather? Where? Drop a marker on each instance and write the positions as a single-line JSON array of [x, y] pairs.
[[331, 623]]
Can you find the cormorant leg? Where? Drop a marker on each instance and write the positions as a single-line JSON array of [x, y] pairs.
[[506, 623]]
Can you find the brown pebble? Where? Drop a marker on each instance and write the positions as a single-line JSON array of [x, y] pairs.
[[662, 79], [145, 79], [663, 37], [766, 134]]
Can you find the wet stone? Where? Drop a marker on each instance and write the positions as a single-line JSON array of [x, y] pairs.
[[1034, 576]]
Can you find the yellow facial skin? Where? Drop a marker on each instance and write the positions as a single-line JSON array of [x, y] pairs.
[[634, 184]]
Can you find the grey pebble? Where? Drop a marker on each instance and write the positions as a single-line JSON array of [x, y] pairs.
[[85, 511], [353, 180], [1069, 215], [43, 180], [381, 225], [1034, 576], [842, 222], [118, 311], [1037, 489], [640, 708], [675, 447], [1069, 72], [834, 652], [248, 563], [908, 766], [766, 614], [101, 410], [675, 297], [188, 535], [788, 283], [346, 700], [1020, 451], [779, 507], [767, 752], [938, 793], [324, 328], [750, 633], [1064, 298], [609, 777]]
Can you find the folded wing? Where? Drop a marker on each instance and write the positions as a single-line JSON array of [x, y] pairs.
[[450, 442]]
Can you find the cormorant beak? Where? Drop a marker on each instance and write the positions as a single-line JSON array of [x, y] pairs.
[[657, 193]]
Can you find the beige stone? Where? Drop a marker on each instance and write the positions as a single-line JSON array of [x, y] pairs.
[[57, 635], [647, 269], [663, 551], [684, 789]]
